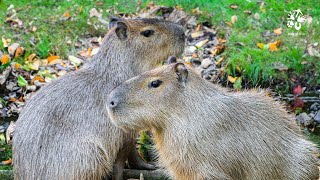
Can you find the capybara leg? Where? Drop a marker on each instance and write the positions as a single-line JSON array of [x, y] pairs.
[[120, 163], [135, 161]]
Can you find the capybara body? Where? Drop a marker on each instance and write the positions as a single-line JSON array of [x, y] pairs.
[[202, 131], [64, 131]]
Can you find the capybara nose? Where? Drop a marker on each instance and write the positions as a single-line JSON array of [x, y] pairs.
[[112, 103]]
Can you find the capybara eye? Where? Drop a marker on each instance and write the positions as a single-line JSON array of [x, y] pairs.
[[155, 84], [147, 33]]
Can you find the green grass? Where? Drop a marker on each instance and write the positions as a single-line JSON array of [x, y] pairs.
[[55, 35]]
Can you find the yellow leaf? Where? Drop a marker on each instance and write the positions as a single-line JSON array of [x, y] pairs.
[[5, 59], [232, 79], [278, 31], [51, 58], [273, 47], [17, 65], [260, 45], [66, 14]]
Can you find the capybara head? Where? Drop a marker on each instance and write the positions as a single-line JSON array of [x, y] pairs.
[[147, 100], [152, 39]]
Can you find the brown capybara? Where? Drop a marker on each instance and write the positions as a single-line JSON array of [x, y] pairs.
[[64, 131], [202, 131]]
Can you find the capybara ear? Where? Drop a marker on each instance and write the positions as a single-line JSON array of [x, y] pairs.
[[171, 60], [113, 21], [182, 73], [121, 30]]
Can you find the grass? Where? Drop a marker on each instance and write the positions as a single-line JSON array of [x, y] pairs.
[[56, 35]]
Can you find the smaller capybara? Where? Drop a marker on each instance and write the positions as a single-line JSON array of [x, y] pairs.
[[202, 131]]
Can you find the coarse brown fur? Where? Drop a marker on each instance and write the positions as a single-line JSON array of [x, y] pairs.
[[202, 131], [64, 132]]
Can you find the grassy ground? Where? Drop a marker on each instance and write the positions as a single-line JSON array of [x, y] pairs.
[[56, 35]]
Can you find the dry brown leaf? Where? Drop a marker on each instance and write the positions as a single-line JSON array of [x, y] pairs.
[[6, 42], [197, 34], [228, 23], [31, 57], [217, 50], [199, 27], [234, 6], [37, 78], [278, 31], [6, 162], [201, 43], [52, 58], [234, 19], [19, 52], [220, 40], [248, 12], [12, 48], [35, 65], [220, 61], [56, 61]]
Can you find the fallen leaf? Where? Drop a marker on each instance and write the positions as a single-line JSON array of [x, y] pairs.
[[66, 14], [19, 52], [35, 65], [220, 40], [201, 43], [17, 65], [220, 61], [56, 61], [5, 59], [93, 12], [34, 29], [12, 48], [248, 12], [74, 60], [297, 90], [31, 57], [6, 162], [216, 50], [232, 79], [278, 31], [256, 16], [273, 47], [21, 81], [37, 78], [234, 19], [297, 103], [234, 6], [12, 99], [197, 34], [9, 135], [51, 58], [6, 42], [199, 27]]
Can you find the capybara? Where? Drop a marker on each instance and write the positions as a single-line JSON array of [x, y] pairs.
[[64, 131], [203, 131]]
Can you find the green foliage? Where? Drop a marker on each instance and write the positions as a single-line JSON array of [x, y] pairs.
[[145, 144], [22, 82]]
